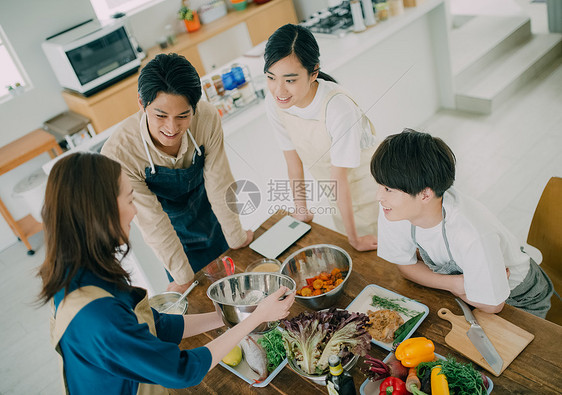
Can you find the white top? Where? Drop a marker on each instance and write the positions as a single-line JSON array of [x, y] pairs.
[[480, 245], [348, 127]]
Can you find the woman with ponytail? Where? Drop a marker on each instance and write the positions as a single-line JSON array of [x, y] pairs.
[[320, 127]]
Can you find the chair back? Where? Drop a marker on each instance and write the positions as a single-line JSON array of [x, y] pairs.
[[545, 234]]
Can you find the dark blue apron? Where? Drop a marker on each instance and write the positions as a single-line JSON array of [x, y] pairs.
[[182, 194]]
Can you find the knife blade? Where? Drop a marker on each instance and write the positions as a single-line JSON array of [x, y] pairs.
[[479, 339]]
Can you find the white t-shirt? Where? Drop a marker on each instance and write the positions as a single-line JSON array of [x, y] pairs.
[[348, 127], [480, 245]]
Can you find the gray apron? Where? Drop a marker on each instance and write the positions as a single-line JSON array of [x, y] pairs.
[[531, 295], [451, 266]]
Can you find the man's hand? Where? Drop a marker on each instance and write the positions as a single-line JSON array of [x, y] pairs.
[[249, 238], [364, 243]]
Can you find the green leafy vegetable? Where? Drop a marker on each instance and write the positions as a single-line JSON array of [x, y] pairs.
[[404, 329], [272, 343], [463, 378], [391, 304], [310, 338]]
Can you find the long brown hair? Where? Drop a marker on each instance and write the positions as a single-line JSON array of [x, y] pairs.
[[81, 223]]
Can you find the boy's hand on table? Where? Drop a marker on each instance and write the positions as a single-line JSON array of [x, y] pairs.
[[456, 285], [364, 243]]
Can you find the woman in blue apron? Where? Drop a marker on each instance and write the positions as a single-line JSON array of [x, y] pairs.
[[109, 339], [172, 150]]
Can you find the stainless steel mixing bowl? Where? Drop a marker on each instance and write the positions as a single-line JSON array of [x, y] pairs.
[[236, 297], [309, 262], [166, 299]]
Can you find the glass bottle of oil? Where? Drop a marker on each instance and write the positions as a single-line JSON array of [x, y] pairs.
[[339, 381]]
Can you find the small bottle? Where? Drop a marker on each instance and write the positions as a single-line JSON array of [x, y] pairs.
[[170, 35], [228, 80], [238, 74], [217, 81], [357, 15], [368, 12], [209, 89], [338, 381], [236, 98]]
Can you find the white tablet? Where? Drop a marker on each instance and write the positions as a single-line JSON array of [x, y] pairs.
[[279, 237]]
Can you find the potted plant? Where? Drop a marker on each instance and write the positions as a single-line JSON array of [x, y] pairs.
[[189, 17]]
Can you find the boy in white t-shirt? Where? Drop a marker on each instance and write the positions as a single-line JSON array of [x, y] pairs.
[[464, 249]]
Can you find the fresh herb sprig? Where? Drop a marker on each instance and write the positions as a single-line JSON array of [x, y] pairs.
[[463, 379], [272, 343], [391, 304]]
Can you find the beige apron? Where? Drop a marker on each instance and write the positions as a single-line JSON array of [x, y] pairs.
[[74, 302], [312, 143]]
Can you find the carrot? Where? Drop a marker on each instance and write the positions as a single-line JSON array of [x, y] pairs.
[[413, 383]]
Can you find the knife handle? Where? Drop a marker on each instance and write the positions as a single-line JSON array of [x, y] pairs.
[[467, 312]]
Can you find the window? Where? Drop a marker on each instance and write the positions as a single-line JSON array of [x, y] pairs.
[[104, 9], [13, 79]]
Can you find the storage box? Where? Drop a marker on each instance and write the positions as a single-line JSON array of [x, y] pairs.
[[212, 11], [73, 127]]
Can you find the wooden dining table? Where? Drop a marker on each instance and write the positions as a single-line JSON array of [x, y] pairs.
[[537, 369]]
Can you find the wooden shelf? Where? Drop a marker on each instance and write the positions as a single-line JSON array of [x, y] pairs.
[[27, 147], [29, 226], [11, 156]]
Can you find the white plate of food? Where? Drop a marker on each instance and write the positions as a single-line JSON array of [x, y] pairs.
[[388, 312], [257, 375]]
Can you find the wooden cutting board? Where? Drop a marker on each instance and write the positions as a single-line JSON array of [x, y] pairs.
[[508, 339]]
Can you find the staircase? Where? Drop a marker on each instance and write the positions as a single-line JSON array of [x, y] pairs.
[[493, 56]]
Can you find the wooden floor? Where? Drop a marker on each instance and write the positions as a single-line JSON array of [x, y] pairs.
[[504, 160]]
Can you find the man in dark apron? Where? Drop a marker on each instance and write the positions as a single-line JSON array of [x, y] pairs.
[[173, 152]]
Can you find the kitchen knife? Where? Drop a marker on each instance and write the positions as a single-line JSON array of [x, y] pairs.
[[480, 340]]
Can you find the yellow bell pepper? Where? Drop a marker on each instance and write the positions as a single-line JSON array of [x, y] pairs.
[[439, 383], [415, 350]]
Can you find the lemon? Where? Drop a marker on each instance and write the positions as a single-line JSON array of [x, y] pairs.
[[234, 357]]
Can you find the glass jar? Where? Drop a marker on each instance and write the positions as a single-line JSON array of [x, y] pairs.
[[382, 10], [228, 80], [238, 74], [209, 89], [395, 7], [217, 82]]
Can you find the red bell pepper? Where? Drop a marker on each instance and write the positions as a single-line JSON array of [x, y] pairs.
[[393, 386]]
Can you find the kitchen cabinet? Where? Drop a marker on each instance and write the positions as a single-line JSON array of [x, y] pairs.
[[261, 26], [107, 107], [117, 102]]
